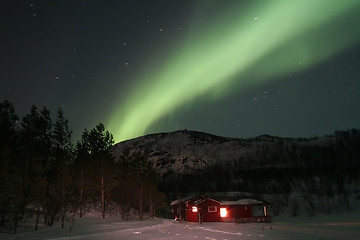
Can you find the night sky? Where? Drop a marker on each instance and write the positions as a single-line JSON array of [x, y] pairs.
[[231, 68]]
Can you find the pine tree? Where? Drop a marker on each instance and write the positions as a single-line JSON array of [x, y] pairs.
[[82, 173], [37, 144], [121, 194], [95, 148], [8, 152], [141, 170], [60, 169], [134, 168]]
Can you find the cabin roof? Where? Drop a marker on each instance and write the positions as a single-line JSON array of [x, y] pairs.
[[197, 199], [246, 201], [180, 200], [225, 201]]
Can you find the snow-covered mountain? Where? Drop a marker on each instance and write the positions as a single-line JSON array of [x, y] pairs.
[[189, 161], [179, 151], [185, 150]]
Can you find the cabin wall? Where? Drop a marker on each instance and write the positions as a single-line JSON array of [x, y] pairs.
[[207, 211], [234, 213], [191, 216], [210, 211]]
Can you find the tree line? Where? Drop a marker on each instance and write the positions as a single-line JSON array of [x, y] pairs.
[[324, 171], [44, 175]]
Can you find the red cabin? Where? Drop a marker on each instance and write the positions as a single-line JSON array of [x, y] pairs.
[[201, 208]]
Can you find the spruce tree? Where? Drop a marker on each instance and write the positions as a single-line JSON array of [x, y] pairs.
[[37, 144], [94, 154], [60, 169], [9, 132]]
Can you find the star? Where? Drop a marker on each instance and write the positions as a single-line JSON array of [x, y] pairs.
[[212, 53]]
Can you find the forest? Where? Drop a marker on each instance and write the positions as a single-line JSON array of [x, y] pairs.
[[323, 172], [46, 177]]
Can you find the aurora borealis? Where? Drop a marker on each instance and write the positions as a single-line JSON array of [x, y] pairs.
[[232, 68], [234, 51]]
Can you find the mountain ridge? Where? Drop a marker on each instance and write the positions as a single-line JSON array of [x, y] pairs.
[[185, 150]]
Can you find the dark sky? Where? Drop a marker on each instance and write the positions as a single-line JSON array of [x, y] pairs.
[[231, 68]]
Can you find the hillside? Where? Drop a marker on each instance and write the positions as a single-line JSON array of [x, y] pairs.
[[184, 151], [189, 161]]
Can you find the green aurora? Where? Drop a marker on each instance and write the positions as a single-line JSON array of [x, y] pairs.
[[238, 49]]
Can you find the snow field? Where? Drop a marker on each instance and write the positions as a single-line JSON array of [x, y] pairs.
[[92, 228]]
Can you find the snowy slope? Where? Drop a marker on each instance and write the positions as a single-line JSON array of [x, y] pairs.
[[184, 150], [178, 151], [181, 151]]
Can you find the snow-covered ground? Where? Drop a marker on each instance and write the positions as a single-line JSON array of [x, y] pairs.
[[92, 227]]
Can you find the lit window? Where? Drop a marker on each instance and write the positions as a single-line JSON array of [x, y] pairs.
[[223, 212], [194, 209], [212, 209]]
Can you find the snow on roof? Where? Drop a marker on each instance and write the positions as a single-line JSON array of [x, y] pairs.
[[177, 201], [199, 198], [186, 199], [247, 201]]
